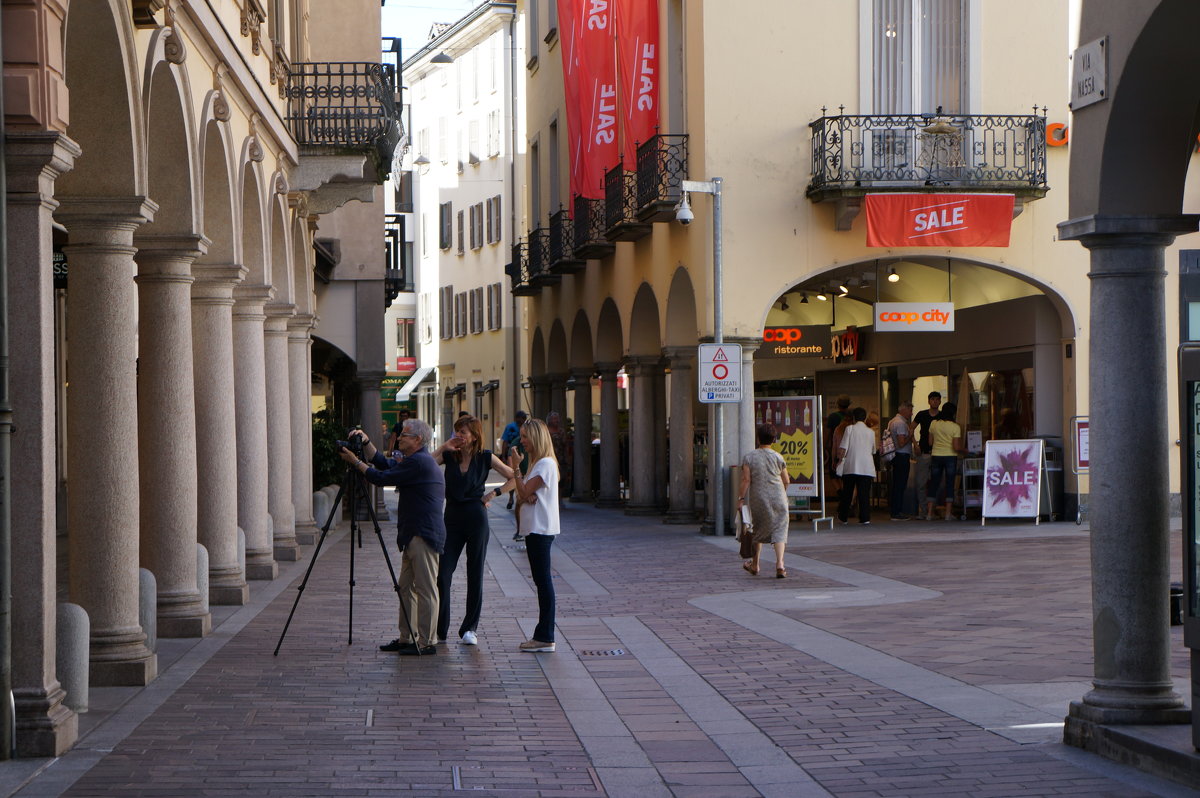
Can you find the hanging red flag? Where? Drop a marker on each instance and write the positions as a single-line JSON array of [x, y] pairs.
[[638, 67], [590, 86], [938, 220]]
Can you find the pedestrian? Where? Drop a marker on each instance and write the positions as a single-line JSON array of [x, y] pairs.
[[832, 422], [420, 529], [899, 430], [764, 491], [539, 523], [924, 448], [466, 465], [509, 438], [946, 435], [562, 453], [856, 467]]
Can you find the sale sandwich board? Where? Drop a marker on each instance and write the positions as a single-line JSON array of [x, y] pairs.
[[1012, 478]]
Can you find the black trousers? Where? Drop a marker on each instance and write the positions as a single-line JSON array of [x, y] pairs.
[[466, 528], [851, 483]]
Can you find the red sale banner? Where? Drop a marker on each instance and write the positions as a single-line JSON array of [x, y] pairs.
[[938, 220], [590, 86], [637, 65]]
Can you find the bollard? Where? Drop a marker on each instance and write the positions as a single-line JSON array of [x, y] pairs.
[[202, 574], [320, 508], [148, 607], [71, 654]]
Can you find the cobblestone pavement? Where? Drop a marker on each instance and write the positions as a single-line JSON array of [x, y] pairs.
[[910, 659]]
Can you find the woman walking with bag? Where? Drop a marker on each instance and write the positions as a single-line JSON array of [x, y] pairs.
[[467, 466], [764, 490], [538, 523]]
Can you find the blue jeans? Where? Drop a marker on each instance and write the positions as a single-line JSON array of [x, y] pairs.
[[900, 465], [537, 547], [943, 467]]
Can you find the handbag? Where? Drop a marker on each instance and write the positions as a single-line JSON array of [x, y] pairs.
[[887, 447], [745, 533]]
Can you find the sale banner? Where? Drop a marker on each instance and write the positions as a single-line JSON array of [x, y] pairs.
[[638, 68], [793, 417], [1012, 474], [590, 92], [938, 220]]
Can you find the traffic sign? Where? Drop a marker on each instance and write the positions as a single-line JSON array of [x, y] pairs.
[[720, 376]]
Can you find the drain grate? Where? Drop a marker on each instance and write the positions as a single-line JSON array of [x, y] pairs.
[[611, 652]]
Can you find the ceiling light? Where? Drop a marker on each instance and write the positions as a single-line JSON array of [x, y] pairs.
[[892, 276], [842, 287], [442, 58], [821, 296], [804, 299], [422, 160], [783, 305]]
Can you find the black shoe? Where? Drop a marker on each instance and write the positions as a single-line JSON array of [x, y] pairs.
[[395, 645], [510, 502], [518, 537], [411, 650]]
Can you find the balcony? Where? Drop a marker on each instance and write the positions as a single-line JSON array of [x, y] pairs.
[[518, 272], [855, 155], [398, 277], [562, 241], [346, 119], [620, 206], [538, 252], [661, 167], [587, 223]]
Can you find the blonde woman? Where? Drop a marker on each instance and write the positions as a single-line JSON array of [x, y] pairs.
[[538, 522]]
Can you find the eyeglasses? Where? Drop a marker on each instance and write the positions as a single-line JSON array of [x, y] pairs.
[[408, 435]]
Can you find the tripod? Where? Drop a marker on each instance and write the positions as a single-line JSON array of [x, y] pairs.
[[354, 488]]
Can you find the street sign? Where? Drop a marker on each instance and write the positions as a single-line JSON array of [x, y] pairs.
[[720, 375]]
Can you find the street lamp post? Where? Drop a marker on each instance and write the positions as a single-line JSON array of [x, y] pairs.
[[713, 187]]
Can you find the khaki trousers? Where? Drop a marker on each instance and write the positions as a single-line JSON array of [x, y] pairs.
[[419, 592]]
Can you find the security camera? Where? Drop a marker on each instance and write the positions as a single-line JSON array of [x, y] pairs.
[[683, 212]]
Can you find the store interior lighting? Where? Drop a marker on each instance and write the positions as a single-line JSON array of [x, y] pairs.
[[892, 276], [803, 299], [821, 296]]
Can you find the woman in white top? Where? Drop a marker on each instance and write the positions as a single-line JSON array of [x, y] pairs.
[[538, 523], [856, 467]]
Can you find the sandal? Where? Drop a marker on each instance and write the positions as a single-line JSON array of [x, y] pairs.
[[780, 573], [750, 569]]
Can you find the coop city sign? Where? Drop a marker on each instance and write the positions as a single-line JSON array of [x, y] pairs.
[[914, 317]]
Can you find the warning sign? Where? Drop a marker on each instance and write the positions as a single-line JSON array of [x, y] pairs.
[[720, 375]]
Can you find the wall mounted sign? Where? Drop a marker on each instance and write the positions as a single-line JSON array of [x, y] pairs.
[[938, 220], [914, 317], [1089, 74], [803, 341], [846, 346]]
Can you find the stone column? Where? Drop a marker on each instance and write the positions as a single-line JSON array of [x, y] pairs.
[[662, 458], [610, 438], [250, 392], [370, 405], [102, 455], [167, 430], [45, 726], [641, 372], [558, 396], [582, 488], [682, 509], [300, 393], [539, 386], [216, 429], [1130, 542], [279, 432], [745, 441]]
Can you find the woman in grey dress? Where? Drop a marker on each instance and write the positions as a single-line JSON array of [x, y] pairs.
[[764, 489]]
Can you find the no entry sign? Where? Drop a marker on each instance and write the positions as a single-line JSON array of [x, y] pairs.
[[720, 377]]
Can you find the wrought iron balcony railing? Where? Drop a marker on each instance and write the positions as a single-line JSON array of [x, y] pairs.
[[398, 261], [562, 242], [857, 154], [518, 272], [539, 258], [620, 206], [661, 167], [587, 221], [346, 106]]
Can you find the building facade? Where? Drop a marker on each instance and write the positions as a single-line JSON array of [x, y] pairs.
[[173, 161]]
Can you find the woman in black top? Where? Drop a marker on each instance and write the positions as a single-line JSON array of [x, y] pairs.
[[467, 467]]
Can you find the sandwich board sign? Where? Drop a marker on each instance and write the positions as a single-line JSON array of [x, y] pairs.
[[720, 375]]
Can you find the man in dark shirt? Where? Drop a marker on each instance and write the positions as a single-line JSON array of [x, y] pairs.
[[510, 437], [924, 448], [420, 531]]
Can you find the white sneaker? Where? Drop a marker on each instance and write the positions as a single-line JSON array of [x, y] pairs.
[[469, 639]]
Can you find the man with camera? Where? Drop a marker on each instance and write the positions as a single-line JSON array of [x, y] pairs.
[[420, 531]]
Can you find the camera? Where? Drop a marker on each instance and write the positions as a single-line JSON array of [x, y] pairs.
[[683, 212], [354, 442]]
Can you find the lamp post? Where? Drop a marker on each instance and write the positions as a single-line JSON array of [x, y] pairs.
[[713, 187]]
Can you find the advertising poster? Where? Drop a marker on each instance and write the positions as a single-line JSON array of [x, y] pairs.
[[1012, 472], [795, 418]]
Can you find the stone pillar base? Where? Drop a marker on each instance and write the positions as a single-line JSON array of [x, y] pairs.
[[306, 535], [1164, 752], [708, 526], [642, 509], [261, 566], [1082, 714], [45, 727], [680, 517], [184, 625], [610, 503], [229, 595], [137, 672], [287, 551]]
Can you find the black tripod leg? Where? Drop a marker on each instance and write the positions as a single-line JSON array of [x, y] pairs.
[[308, 572], [391, 570]]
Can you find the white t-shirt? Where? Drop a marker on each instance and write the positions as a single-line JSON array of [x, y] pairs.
[[541, 517]]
